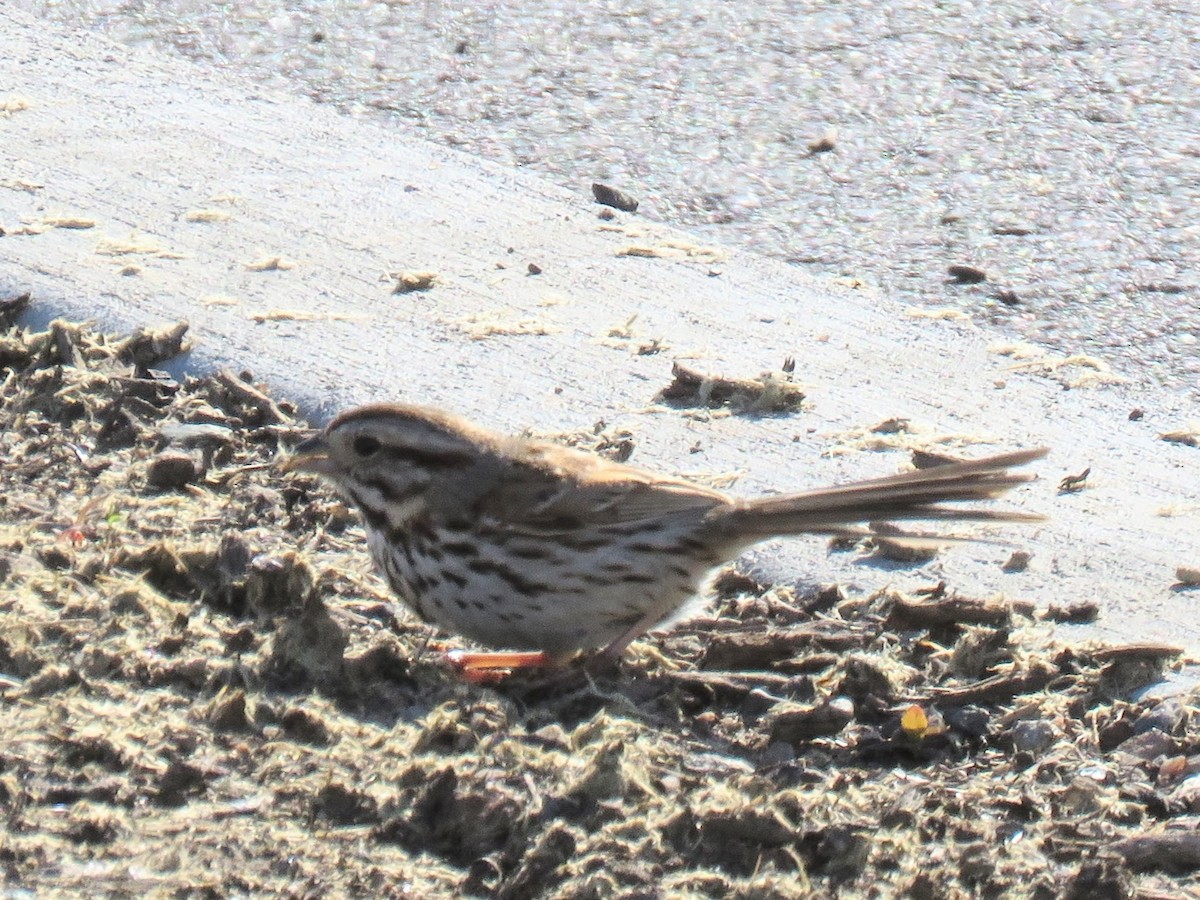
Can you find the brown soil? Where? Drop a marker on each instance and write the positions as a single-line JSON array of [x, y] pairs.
[[204, 691]]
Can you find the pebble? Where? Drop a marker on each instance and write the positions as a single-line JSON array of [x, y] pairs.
[[1165, 716], [965, 274], [610, 196], [171, 469], [1033, 736]]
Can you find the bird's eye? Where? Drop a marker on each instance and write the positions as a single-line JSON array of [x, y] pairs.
[[365, 445]]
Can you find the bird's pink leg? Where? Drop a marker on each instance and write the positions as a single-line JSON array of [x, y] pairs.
[[466, 661], [492, 668]]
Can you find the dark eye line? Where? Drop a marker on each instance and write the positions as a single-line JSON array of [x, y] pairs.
[[432, 460], [366, 446]]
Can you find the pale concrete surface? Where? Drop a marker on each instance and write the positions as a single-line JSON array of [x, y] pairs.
[[1050, 143], [135, 143]]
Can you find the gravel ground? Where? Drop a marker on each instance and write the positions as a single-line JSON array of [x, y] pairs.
[[189, 709], [1049, 145]]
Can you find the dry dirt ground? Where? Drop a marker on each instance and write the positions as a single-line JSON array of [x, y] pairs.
[[205, 692]]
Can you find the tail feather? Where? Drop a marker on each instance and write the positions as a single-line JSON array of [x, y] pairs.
[[909, 495]]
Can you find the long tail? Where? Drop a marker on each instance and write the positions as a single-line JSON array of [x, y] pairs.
[[910, 495]]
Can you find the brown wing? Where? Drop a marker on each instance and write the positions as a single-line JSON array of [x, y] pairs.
[[552, 490]]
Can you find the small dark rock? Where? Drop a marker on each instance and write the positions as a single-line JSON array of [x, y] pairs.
[[964, 274], [1074, 613], [171, 469], [1008, 297], [1033, 736], [972, 721], [1016, 228], [1018, 561], [825, 143], [610, 196]]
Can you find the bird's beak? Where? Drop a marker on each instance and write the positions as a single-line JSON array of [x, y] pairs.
[[310, 456]]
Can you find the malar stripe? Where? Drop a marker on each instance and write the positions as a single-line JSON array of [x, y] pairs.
[[376, 518], [391, 492]]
